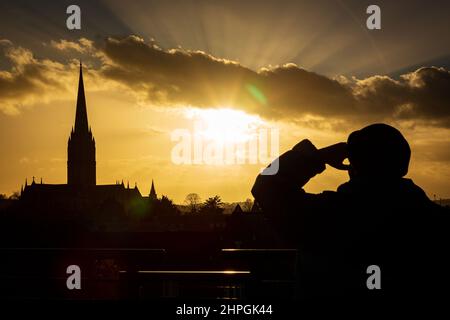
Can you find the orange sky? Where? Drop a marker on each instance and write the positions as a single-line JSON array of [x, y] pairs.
[[134, 144], [306, 77]]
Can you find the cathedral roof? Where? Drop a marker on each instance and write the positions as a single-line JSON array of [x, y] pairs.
[[102, 191]]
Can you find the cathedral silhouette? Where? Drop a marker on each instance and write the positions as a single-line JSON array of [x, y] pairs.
[[81, 145], [81, 193]]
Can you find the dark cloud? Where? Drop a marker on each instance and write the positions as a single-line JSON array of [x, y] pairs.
[[420, 95], [178, 77], [182, 77], [29, 80], [430, 92]]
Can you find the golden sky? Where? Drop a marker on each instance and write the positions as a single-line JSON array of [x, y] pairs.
[[152, 69]]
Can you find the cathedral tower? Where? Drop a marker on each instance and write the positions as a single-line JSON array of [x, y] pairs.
[[81, 145]]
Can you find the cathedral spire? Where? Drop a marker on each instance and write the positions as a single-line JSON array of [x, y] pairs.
[[81, 120], [81, 146], [152, 194]]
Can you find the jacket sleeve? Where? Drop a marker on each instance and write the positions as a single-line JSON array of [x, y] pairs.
[[281, 194]]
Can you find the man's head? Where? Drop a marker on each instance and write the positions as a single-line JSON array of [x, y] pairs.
[[378, 151]]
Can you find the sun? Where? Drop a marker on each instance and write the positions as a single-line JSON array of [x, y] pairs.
[[225, 125]]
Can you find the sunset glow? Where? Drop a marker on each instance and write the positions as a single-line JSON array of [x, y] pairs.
[[220, 70], [225, 125]]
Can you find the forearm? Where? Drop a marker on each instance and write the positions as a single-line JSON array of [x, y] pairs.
[[295, 167]]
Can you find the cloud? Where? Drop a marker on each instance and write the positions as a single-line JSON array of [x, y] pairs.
[[31, 80], [82, 46], [5, 42], [179, 77], [419, 95], [183, 77], [195, 78]]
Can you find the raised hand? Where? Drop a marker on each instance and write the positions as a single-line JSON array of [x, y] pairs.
[[335, 155]]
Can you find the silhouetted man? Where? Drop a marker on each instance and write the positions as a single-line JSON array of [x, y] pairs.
[[376, 218]]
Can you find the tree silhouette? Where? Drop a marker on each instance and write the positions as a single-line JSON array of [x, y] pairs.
[[165, 206], [192, 200], [212, 205]]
